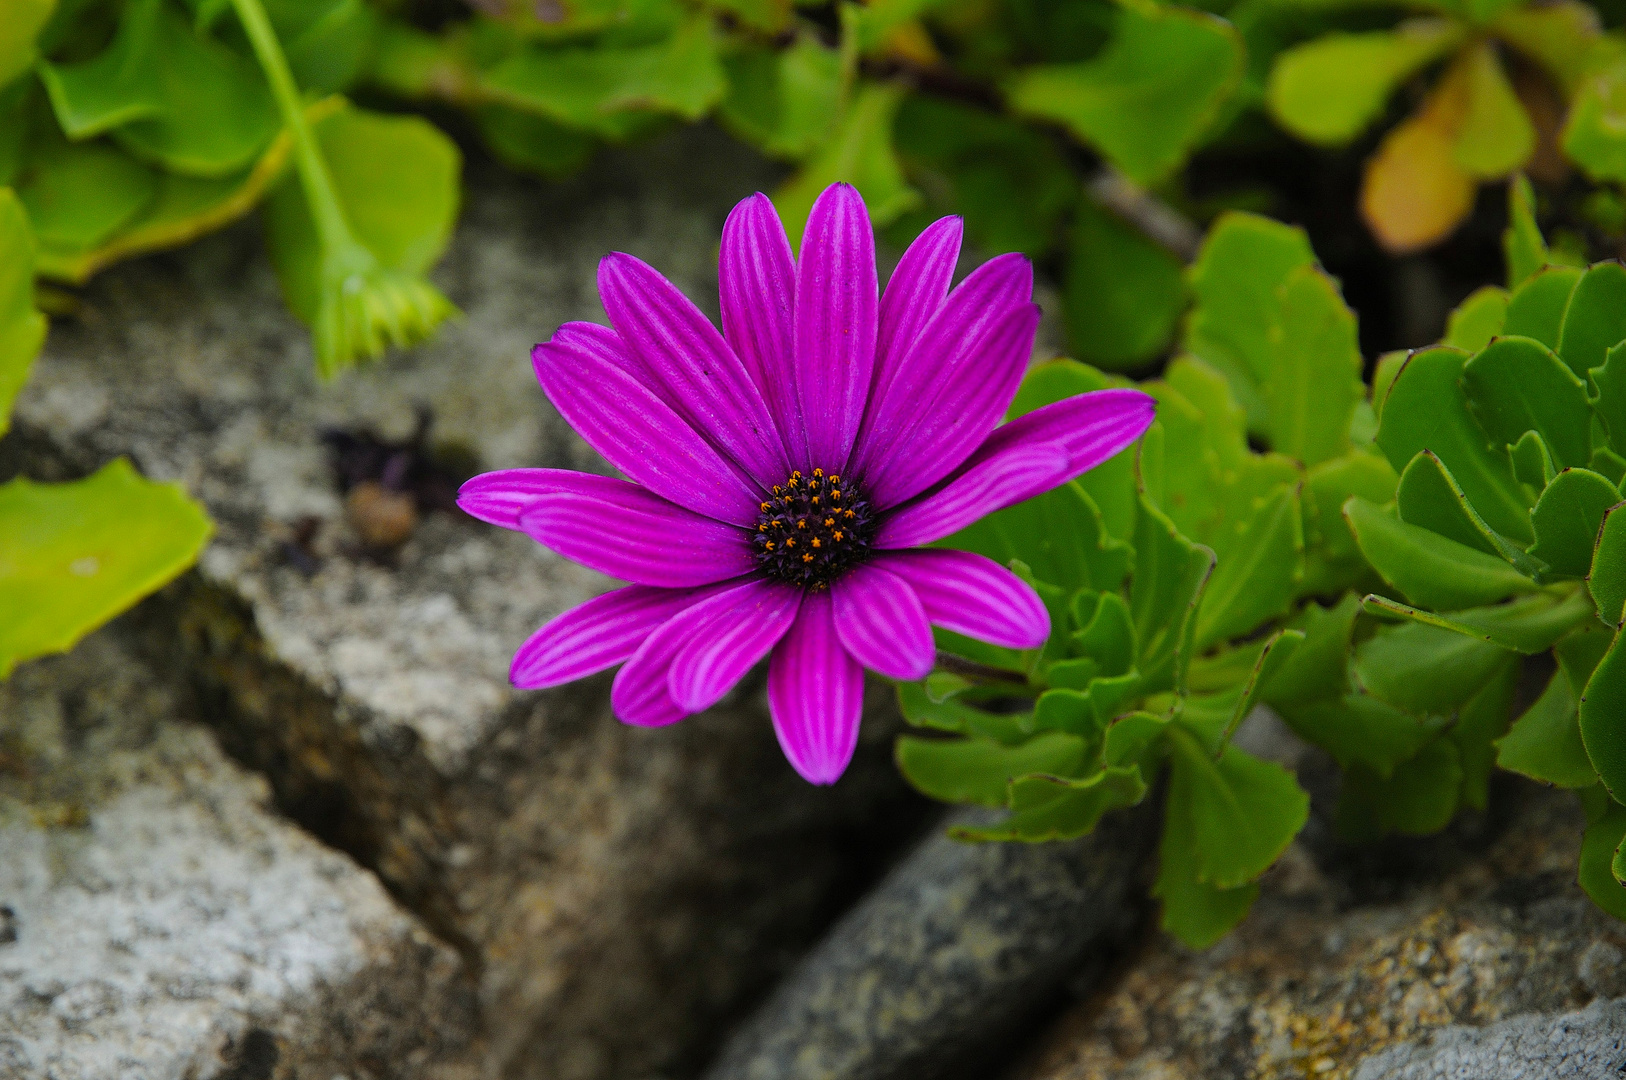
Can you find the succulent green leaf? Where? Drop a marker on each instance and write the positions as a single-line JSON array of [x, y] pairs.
[[1059, 534], [22, 329], [1528, 625], [76, 554], [976, 770], [1259, 577], [1243, 811], [1567, 519], [1429, 569], [1606, 579], [1274, 658], [1426, 410], [783, 100], [1133, 738], [585, 86], [22, 25], [1331, 89], [1609, 384], [1108, 637], [1517, 384], [1418, 798], [1194, 911], [1333, 560], [1606, 828], [1149, 96], [1479, 724], [1538, 305], [1314, 378], [860, 152], [1593, 134], [1595, 320], [1124, 292], [1383, 378], [1429, 497], [1110, 485], [1053, 808], [397, 180], [79, 194], [1545, 743], [1171, 573], [1496, 136], [1477, 319], [1559, 36], [1532, 462], [1425, 670], [1316, 669], [119, 85], [1580, 653], [1605, 462], [956, 714], [1602, 707], [1358, 729], [1522, 243], [526, 142]]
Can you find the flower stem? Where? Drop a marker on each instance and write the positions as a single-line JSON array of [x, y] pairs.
[[331, 226]]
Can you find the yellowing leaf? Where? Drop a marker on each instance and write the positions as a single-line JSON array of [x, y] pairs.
[[1414, 193]]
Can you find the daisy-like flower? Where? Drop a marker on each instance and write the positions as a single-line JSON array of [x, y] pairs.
[[783, 475]]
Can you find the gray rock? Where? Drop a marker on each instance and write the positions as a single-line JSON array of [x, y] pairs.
[[620, 892], [161, 921], [958, 946], [1464, 955], [1585, 1045]]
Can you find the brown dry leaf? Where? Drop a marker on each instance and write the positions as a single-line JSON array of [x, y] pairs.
[[1414, 193]]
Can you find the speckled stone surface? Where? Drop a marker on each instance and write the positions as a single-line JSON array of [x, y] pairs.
[[619, 893], [159, 920], [960, 944], [1454, 958]]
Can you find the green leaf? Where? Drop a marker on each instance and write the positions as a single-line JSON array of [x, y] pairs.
[[119, 85], [1316, 669], [1314, 375], [585, 86], [783, 101], [1496, 136], [1537, 307], [1359, 730], [1419, 798], [859, 152], [1605, 462], [961, 716], [1059, 534], [1170, 575], [1051, 808], [22, 24], [1329, 90], [1603, 704], [1110, 485], [1595, 320], [1522, 244], [1567, 519], [1592, 136], [1609, 383], [1532, 462], [1477, 319], [1235, 280], [1425, 670], [79, 194], [1197, 913], [1123, 291], [1274, 658], [1257, 580], [76, 554], [1528, 625], [974, 770], [526, 142], [1479, 724], [1108, 637], [1606, 579], [1430, 498], [1383, 378], [1545, 743], [1606, 827], [22, 329], [1517, 385], [1243, 811], [397, 180], [1333, 560], [1133, 739], [1149, 96], [1426, 410], [1428, 569]]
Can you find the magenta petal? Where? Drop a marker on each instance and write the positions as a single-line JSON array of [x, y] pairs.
[[624, 531], [637, 432], [816, 694], [1090, 427], [598, 634], [756, 285], [836, 300], [914, 293], [944, 347], [641, 693], [975, 395], [498, 497], [973, 595], [1001, 481], [751, 622], [882, 624], [692, 366]]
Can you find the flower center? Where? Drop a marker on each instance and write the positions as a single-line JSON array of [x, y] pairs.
[[812, 529]]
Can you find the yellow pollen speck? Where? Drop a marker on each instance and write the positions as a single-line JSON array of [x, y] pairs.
[[769, 545], [791, 542], [836, 494], [838, 534], [818, 472], [776, 489], [801, 523], [807, 558], [763, 508], [816, 542], [815, 500], [848, 513], [829, 522]]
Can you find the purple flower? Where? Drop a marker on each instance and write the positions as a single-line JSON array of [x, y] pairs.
[[783, 474]]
